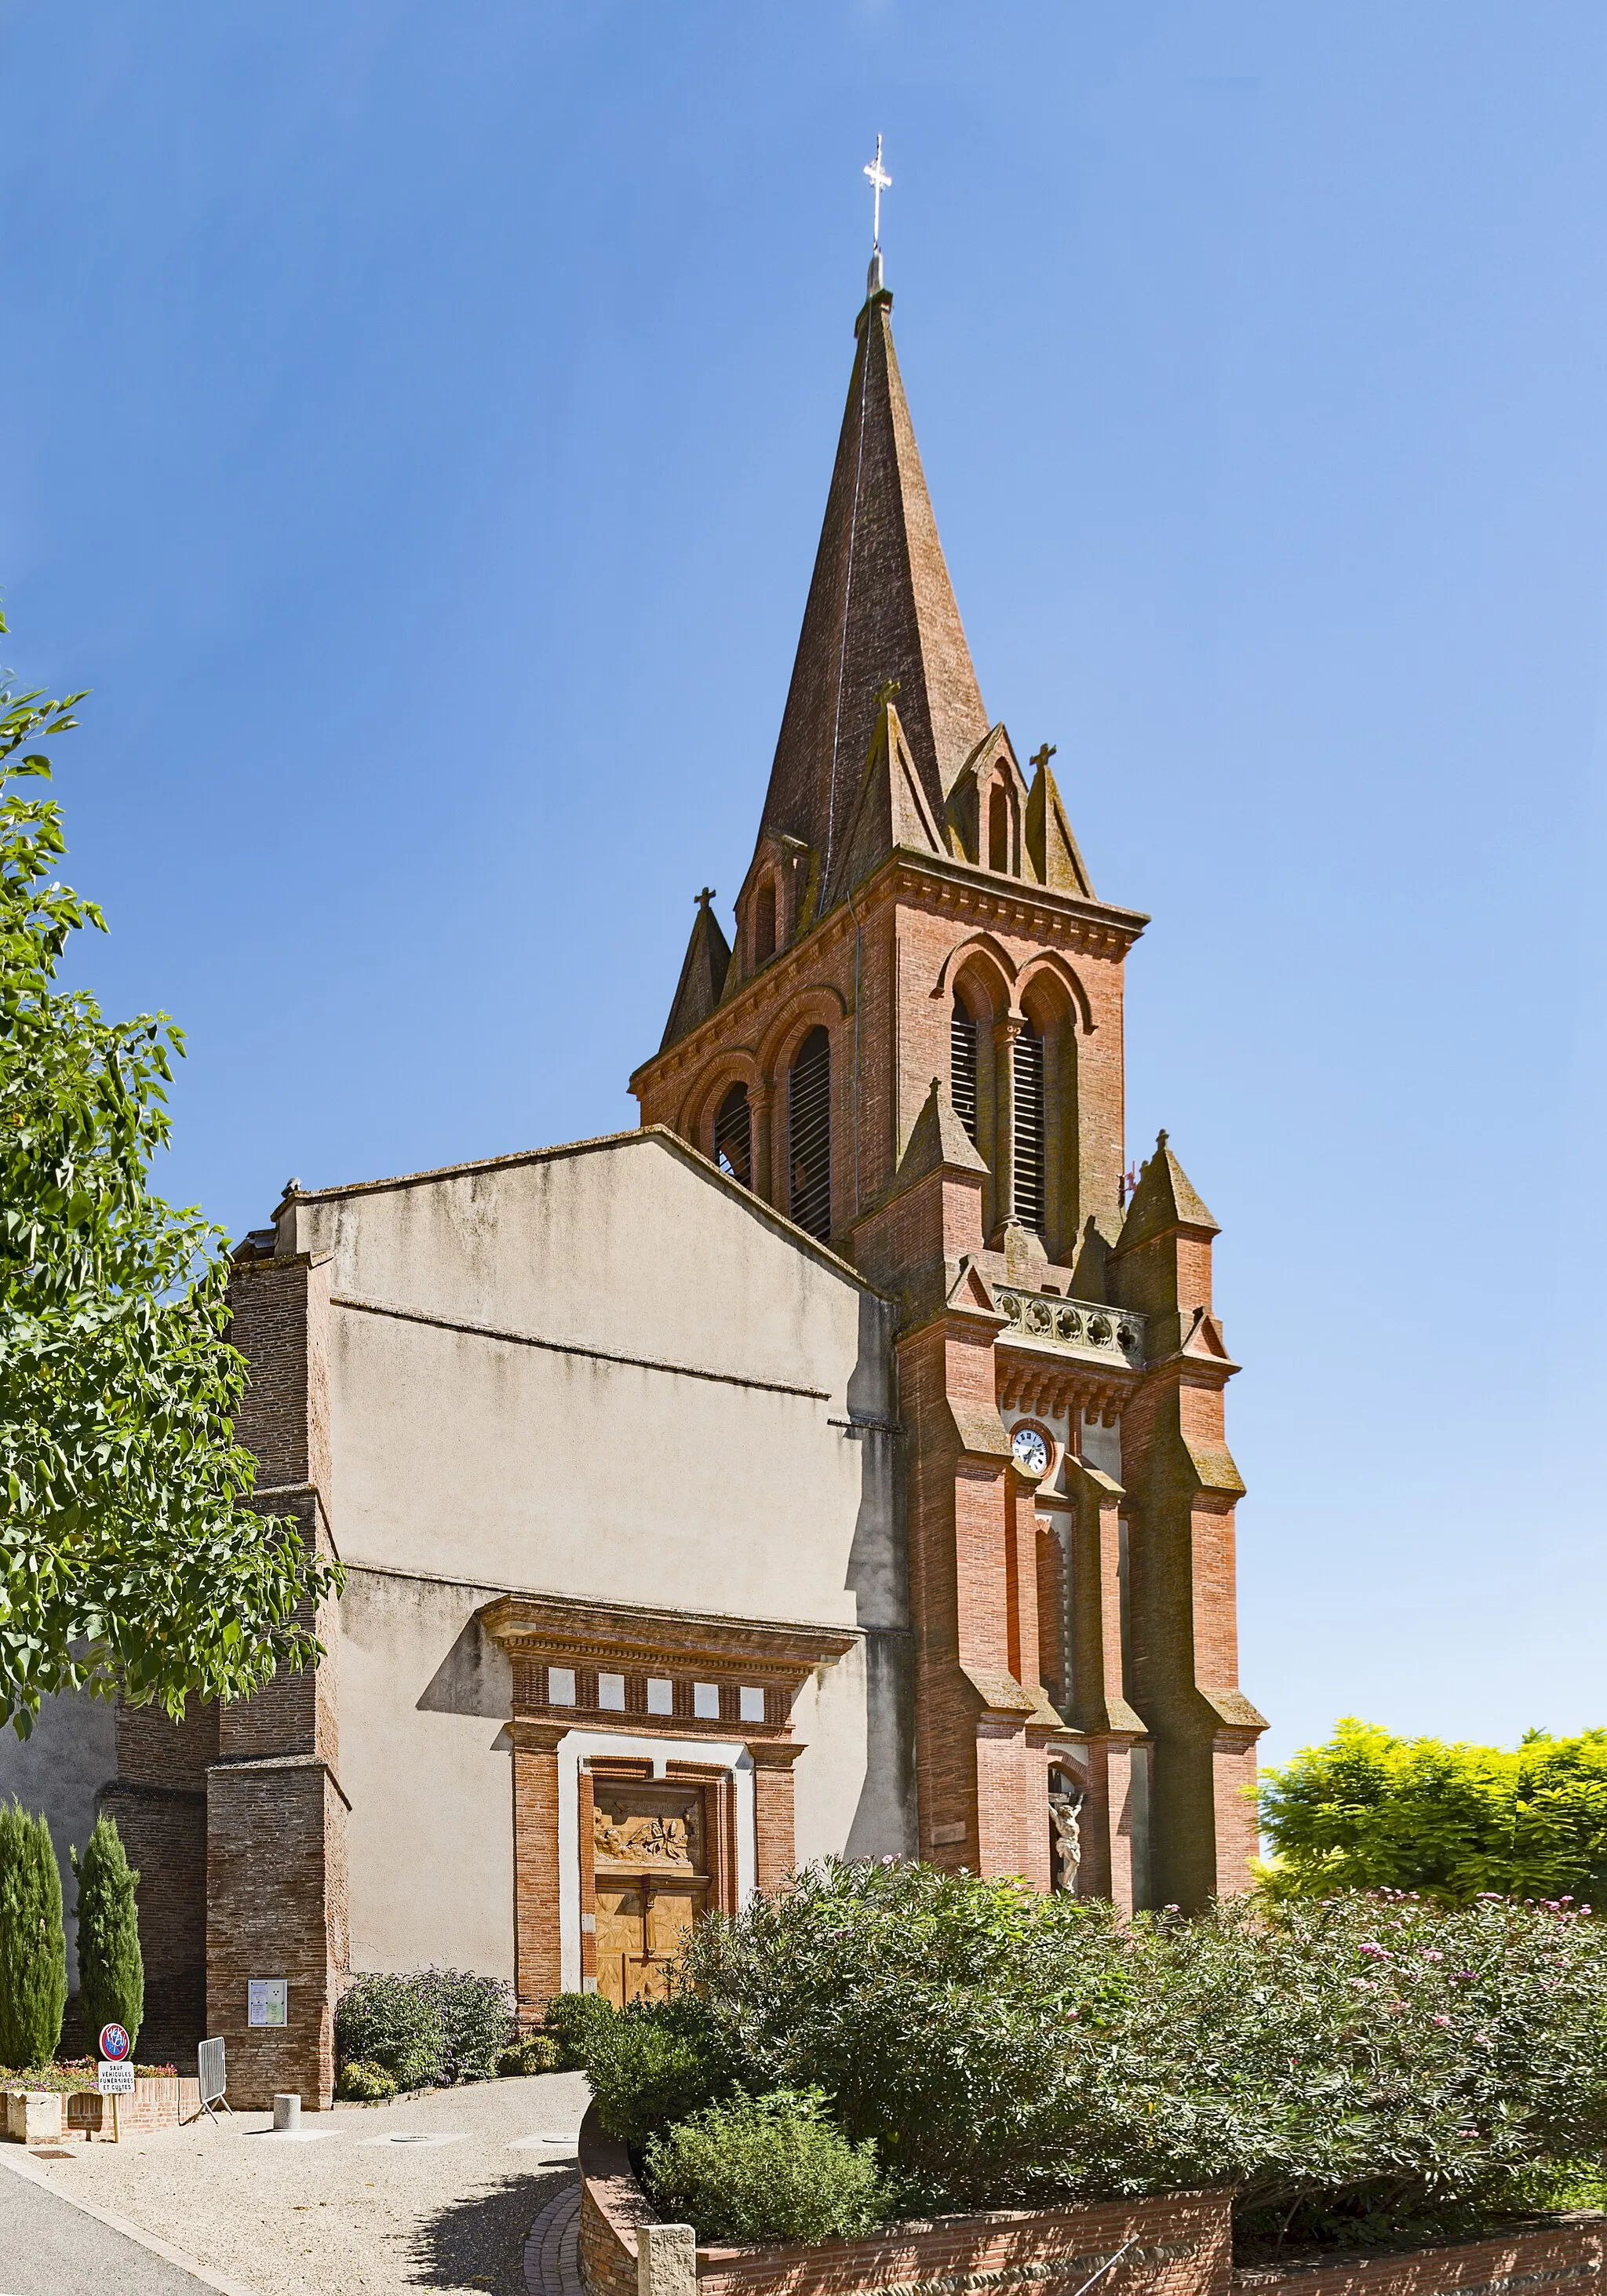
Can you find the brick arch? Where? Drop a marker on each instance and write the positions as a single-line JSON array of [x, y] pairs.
[[982, 951], [980, 983], [821, 1006], [708, 1089], [1050, 975]]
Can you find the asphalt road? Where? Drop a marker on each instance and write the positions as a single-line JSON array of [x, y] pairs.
[[49, 2247]]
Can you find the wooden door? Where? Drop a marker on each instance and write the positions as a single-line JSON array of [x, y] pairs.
[[649, 1882]]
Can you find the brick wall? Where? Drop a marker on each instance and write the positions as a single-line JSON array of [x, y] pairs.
[[275, 1907], [1181, 2246], [1560, 2256], [537, 1962]]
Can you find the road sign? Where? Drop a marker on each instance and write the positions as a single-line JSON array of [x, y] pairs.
[[114, 2080], [115, 2043]]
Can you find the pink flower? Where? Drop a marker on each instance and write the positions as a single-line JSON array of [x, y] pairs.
[[1442, 2020], [1377, 1952], [1431, 1956]]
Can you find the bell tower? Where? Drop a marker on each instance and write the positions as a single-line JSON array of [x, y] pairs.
[[912, 1047]]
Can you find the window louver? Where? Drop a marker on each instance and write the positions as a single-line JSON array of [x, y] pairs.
[[733, 1136], [809, 1134], [1027, 1070], [963, 1068]]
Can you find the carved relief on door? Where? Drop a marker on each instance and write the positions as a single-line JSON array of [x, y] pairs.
[[651, 1879]]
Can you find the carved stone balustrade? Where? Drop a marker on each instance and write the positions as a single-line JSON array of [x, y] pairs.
[[1085, 1328]]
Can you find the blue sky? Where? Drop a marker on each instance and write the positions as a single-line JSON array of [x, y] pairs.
[[417, 425]]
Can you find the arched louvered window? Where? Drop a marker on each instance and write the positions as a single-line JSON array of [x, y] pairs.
[[963, 1068], [1027, 1137], [734, 1135], [809, 1134], [764, 922]]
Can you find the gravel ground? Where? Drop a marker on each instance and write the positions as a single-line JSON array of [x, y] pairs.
[[340, 2213]]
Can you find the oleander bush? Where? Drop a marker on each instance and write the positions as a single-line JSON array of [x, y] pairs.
[[1344, 2061], [766, 2167], [655, 2062]]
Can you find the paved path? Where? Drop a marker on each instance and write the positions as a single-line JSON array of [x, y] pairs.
[[552, 2253], [49, 2247], [438, 2192]]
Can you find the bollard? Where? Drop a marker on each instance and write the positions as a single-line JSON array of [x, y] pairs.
[[667, 2261], [287, 2112]]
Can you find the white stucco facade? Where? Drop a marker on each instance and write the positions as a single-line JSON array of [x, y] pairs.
[[604, 1374]]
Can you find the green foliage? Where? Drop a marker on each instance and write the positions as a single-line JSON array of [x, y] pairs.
[[395, 2023], [365, 2084], [128, 1555], [537, 2052], [1369, 1811], [569, 2018], [111, 1970], [654, 2063], [1374, 2053], [33, 1942], [477, 2020], [768, 2168]]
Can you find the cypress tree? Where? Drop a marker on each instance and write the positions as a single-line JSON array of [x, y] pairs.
[[33, 1942], [112, 1971]]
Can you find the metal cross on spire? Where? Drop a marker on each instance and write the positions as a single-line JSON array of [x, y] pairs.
[[881, 181]]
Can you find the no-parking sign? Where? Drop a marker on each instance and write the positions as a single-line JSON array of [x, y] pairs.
[[114, 2042]]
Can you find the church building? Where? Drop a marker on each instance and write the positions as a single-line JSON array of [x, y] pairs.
[[834, 1464]]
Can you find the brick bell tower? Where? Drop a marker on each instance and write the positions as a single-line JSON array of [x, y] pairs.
[[914, 1051]]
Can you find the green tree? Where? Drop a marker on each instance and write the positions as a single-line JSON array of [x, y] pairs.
[[33, 1943], [1371, 1811], [130, 1557], [111, 1970]]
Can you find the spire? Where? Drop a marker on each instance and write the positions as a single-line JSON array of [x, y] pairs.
[[881, 607], [1164, 1198], [702, 981]]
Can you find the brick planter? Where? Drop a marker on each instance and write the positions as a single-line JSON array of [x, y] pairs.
[[1182, 2246], [38, 2116], [1565, 2254]]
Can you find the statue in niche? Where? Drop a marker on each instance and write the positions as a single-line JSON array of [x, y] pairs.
[[1065, 1815]]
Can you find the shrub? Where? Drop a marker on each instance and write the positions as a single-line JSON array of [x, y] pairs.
[[111, 1972], [1359, 2053], [534, 2052], [365, 2084], [655, 2062], [33, 1942], [392, 2023], [768, 2168], [1371, 1811], [477, 2021], [569, 2018]]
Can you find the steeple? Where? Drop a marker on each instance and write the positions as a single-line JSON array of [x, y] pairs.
[[880, 608]]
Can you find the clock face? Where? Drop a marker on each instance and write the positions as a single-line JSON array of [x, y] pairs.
[[1029, 1451]]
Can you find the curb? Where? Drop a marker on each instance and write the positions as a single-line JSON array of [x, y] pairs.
[[19, 2162]]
